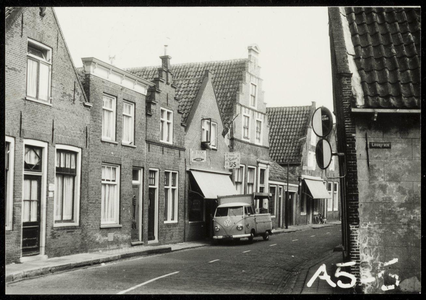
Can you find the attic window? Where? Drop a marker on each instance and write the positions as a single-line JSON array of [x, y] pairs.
[[208, 134]]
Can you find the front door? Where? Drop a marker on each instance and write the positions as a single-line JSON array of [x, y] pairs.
[[151, 214], [136, 216], [31, 216]]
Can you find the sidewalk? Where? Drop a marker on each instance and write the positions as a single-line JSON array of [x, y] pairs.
[[16, 272]]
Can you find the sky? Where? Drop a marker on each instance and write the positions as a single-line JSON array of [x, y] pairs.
[[293, 41]]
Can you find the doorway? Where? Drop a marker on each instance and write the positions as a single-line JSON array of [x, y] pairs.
[[153, 206], [137, 204], [31, 216]]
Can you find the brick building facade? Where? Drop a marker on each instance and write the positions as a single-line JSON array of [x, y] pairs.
[[47, 124], [376, 81]]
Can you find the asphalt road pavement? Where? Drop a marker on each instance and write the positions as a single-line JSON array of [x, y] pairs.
[[261, 267]]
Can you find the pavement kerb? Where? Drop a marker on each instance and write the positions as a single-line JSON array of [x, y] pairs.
[[38, 271]]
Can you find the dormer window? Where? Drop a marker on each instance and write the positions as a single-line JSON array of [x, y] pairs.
[[208, 134], [39, 59]]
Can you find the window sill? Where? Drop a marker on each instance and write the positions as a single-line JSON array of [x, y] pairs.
[[111, 226], [66, 225], [108, 141], [303, 214], [273, 217], [165, 142], [170, 222], [39, 101], [128, 145]]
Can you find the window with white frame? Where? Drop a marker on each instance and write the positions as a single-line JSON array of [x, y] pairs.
[[253, 94], [246, 127], [108, 118], [110, 195], [239, 179], [330, 201], [311, 160], [128, 123], [39, 59], [262, 180], [9, 152], [251, 180], [335, 196], [258, 132], [67, 182], [166, 125], [209, 132], [170, 196]]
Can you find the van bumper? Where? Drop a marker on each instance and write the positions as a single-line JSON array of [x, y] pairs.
[[230, 237]]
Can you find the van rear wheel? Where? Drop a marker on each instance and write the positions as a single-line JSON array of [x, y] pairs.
[[266, 236]]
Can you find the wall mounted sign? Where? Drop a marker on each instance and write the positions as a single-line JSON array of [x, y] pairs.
[[323, 154], [198, 155], [322, 121], [232, 160], [380, 145]]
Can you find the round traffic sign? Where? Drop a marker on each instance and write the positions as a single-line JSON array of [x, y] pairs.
[[323, 154], [322, 121]]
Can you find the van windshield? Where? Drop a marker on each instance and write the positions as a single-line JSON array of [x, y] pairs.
[[229, 211]]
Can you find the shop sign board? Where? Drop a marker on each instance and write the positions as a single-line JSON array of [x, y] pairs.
[[232, 160], [380, 145], [198, 155], [322, 121]]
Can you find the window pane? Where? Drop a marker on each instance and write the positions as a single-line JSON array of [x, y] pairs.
[[173, 204], [36, 52], [214, 133], [43, 92], [166, 204], [174, 179], [167, 178], [34, 191], [26, 209], [68, 197], [33, 209], [59, 197], [107, 102], [135, 175], [32, 71], [126, 129]]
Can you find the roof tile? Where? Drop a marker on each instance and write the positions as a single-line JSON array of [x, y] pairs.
[[387, 55]]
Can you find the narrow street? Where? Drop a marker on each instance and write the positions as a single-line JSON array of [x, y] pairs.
[[261, 267]]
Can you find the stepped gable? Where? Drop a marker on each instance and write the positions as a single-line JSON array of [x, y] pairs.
[[287, 127], [387, 55]]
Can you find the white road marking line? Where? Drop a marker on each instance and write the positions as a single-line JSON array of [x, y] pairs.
[[312, 235], [272, 245], [212, 261], [246, 251], [146, 282], [295, 240]]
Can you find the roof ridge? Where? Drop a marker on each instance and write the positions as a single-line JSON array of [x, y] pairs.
[[192, 63], [284, 107]]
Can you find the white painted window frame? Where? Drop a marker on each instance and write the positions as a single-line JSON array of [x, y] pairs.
[[248, 129], [130, 116], [254, 178], [169, 124], [261, 132], [40, 60], [117, 204], [253, 86], [10, 183], [169, 189], [242, 177], [76, 221], [112, 125]]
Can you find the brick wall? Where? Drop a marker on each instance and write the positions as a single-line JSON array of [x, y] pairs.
[[389, 201], [63, 122]]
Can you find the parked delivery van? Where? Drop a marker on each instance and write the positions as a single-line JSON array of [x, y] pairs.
[[236, 217]]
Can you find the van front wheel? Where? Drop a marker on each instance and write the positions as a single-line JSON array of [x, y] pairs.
[[266, 236]]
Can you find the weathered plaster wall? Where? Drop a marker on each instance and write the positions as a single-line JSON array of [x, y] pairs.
[[389, 202]]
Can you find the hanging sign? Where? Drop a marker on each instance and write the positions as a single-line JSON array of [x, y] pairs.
[[323, 154], [232, 160], [322, 121]]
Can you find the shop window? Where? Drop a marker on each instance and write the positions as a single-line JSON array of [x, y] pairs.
[[39, 59], [251, 179], [170, 196], [166, 125], [110, 195], [108, 118], [238, 175]]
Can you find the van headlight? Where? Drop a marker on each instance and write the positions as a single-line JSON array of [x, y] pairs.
[[240, 227], [216, 228]]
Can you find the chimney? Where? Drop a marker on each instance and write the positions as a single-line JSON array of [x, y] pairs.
[[253, 53], [164, 71]]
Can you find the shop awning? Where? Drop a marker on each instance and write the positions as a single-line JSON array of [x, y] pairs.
[[213, 184], [317, 189]]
